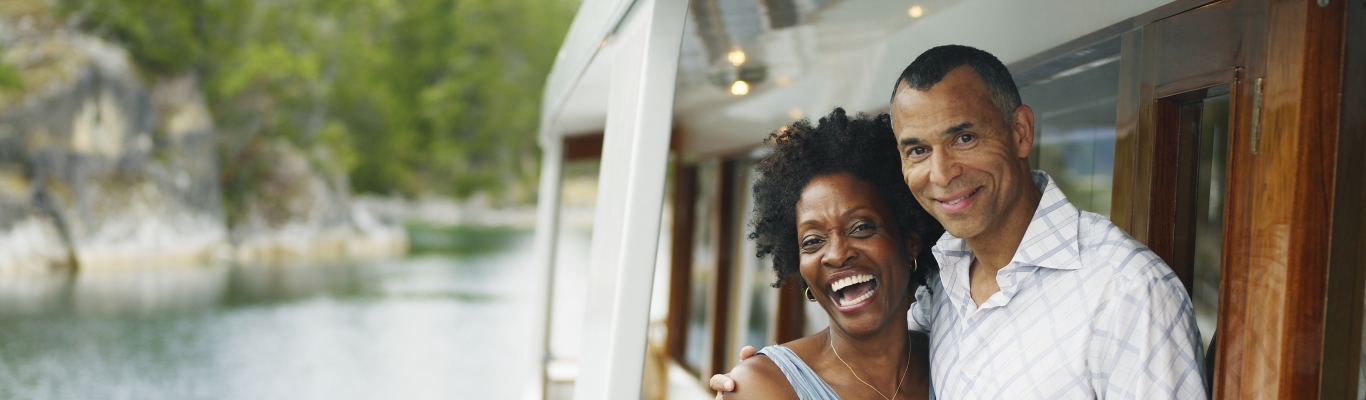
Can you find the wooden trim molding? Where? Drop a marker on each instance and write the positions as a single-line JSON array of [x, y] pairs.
[[1346, 268], [680, 257], [791, 318], [588, 146], [583, 147], [724, 243]]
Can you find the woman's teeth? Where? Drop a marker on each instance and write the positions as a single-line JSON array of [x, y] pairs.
[[838, 286], [845, 282], [856, 300]]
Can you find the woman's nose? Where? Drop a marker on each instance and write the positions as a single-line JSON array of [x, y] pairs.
[[837, 252]]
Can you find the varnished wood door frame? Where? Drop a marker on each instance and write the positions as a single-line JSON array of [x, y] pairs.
[[1346, 270], [680, 257], [1280, 221]]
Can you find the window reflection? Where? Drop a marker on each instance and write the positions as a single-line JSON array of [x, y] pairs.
[[1361, 370], [1209, 211], [703, 269], [1074, 132], [756, 299]]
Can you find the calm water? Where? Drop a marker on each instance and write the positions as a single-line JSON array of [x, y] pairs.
[[449, 326]]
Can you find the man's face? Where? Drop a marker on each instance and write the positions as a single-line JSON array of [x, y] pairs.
[[960, 159]]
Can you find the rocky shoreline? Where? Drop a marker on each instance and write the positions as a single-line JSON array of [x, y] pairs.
[[102, 167]]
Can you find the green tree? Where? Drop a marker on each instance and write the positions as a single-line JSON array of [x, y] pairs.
[[412, 97]]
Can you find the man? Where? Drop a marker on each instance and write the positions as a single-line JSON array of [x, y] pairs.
[[1034, 299]]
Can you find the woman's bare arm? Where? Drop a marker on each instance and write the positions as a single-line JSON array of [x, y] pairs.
[[759, 378], [720, 383]]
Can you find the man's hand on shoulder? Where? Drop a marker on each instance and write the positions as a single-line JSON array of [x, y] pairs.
[[758, 378], [721, 383]]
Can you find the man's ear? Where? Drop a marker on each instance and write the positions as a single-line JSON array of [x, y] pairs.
[[1022, 123]]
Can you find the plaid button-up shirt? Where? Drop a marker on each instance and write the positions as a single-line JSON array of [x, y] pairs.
[[1084, 311]]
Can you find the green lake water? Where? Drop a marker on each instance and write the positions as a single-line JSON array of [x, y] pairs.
[[450, 321]]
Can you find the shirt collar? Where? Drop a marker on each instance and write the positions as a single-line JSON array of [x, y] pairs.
[[1051, 239]]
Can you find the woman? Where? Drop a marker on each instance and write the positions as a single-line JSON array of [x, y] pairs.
[[832, 210]]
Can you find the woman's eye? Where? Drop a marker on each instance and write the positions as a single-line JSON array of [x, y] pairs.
[[811, 243], [863, 229]]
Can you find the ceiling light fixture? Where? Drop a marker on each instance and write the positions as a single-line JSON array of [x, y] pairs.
[[739, 88], [736, 57], [916, 11]]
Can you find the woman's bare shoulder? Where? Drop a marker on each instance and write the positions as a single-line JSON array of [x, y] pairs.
[[759, 378]]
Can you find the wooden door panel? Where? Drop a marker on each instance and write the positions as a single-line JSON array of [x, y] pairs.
[[1292, 200], [1203, 47], [1281, 183], [1201, 41]]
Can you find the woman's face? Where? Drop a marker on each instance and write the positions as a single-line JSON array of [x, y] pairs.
[[853, 258]]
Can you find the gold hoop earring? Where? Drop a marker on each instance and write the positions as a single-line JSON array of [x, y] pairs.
[[809, 296], [915, 264]]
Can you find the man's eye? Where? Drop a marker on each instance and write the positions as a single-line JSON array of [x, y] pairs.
[[966, 137], [916, 151]]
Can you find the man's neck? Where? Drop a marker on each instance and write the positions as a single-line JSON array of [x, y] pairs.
[[994, 248]]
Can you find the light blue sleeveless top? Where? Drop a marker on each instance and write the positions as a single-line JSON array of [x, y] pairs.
[[808, 385], [805, 382]]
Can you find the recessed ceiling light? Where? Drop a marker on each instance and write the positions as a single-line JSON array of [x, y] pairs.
[[736, 57], [739, 88]]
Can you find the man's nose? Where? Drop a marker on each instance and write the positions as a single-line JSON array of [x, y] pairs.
[[837, 252], [943, 168]]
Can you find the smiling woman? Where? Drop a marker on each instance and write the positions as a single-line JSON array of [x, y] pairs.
[[855, 245]]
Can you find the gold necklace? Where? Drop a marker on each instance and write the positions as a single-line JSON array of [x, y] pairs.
[[899, 381]]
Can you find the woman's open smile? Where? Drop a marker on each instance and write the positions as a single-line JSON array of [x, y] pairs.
[[853, 290]]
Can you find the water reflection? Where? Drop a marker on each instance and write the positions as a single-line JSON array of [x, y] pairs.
[[431, 326]]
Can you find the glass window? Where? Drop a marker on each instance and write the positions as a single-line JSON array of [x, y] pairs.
[[1211, 170], [1074, 131], [1361, 370], [695, 354], [578, 199], [756, 298]]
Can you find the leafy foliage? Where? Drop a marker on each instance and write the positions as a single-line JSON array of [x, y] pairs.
[[413, 97], [10, 78]]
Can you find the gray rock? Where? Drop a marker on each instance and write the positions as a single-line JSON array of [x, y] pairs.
[[84, 150], [100, 169]]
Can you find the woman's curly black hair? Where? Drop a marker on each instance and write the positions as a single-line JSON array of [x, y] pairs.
[[863, 146]]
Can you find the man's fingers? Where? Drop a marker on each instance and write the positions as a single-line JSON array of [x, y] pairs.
[[720, 384], [747, 352]]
